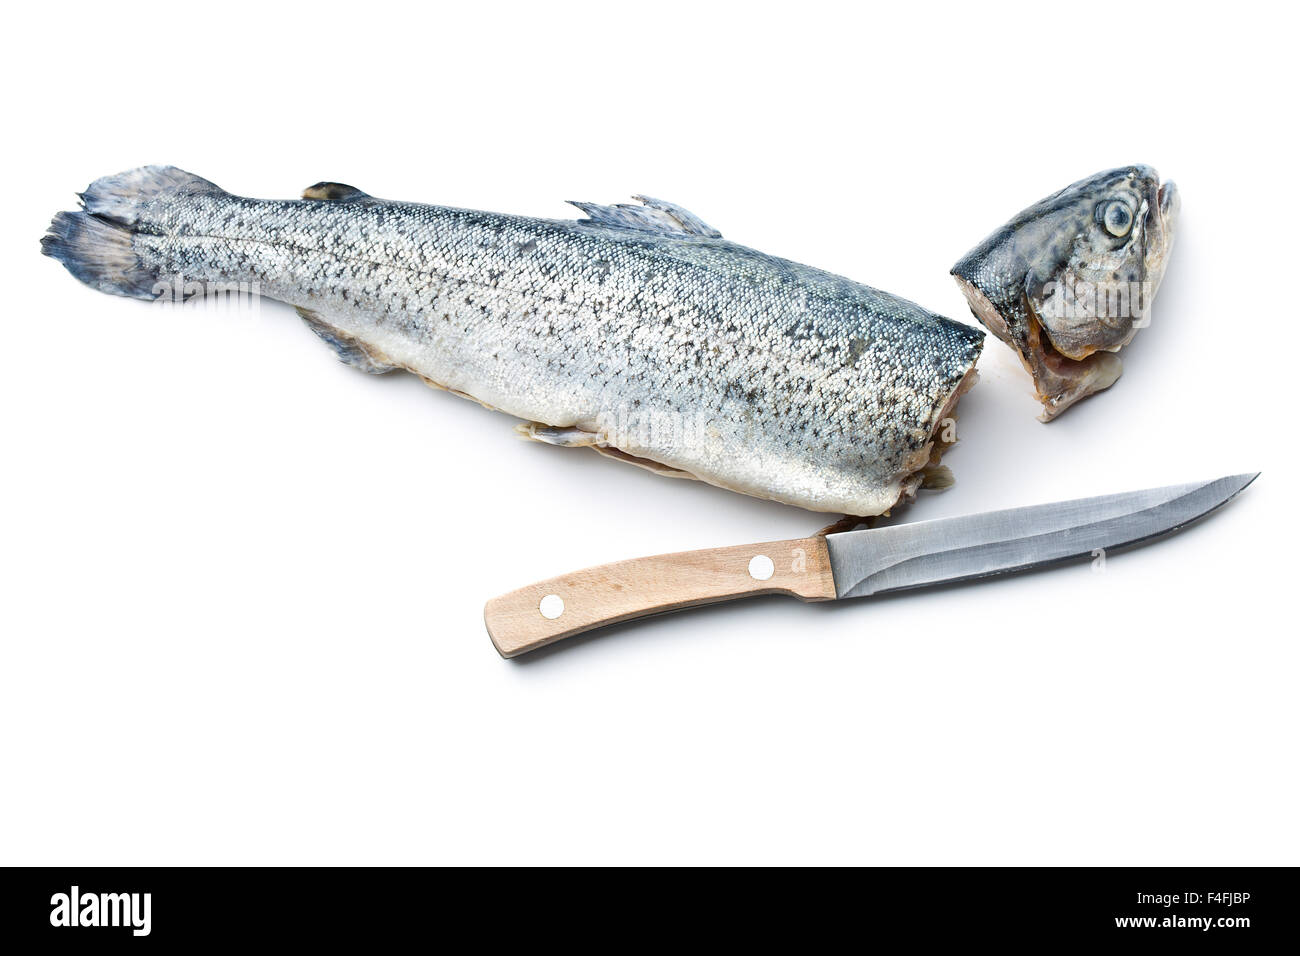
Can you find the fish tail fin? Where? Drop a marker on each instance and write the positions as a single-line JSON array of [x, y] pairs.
[[100, 254], [97, 244]]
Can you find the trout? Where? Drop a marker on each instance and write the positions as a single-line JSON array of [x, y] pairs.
[[638, 331]]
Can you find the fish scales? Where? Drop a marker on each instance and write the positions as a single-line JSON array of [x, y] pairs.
[[654, 340]]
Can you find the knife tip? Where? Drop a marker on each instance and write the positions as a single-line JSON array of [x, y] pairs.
[[1240, 482]]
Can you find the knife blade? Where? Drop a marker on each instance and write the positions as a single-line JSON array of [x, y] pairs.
[[850, 564]]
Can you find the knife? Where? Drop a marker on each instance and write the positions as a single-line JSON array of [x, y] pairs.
[[851, 564]]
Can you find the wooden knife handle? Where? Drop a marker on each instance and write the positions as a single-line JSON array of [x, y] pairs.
[[541, 613]]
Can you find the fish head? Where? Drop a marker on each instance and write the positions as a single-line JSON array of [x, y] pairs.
[[1074, 275]]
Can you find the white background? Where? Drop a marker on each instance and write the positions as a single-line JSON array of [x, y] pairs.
[[243, 584]]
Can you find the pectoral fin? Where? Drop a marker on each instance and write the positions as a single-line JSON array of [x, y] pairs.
[[937, 477]]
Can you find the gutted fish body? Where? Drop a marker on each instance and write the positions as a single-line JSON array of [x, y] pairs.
[[1069, 281], [638, 332]]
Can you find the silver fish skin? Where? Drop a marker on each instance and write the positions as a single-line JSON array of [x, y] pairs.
[[1069, 281], [639, 331]]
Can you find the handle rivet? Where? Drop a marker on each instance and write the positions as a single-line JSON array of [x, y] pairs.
[[552, 606], [761, 567]]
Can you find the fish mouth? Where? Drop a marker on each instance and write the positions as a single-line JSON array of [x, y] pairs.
[[1169, 202]]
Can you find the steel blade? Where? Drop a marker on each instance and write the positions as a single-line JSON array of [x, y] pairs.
[[996, 542]]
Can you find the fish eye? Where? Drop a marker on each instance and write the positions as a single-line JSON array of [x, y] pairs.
[[1116, 216]]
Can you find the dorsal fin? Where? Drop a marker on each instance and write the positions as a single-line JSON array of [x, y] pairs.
[[656, 216], [334, 192]]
